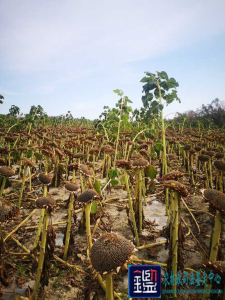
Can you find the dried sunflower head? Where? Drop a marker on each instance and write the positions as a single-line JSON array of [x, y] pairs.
[[109, 252], [176, 186], [215, 198]]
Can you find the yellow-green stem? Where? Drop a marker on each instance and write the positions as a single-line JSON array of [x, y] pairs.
[[69, 223], [88, 227], [2, 186], [22, 186], [214, 245], [174, 224], [41, 257], [131, 208], [109, 286], [140, 201]]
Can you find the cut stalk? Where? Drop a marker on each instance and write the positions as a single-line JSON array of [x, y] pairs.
[[214, 245], [23, 185], [109, 287], [88, 228], [140, 201], [131, 208], [2, 186], [174, 225], [69, 223], [42, 256]]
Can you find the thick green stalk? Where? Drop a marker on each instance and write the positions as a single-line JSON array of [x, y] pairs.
[[221, 181], [188, 163], [163, 134], [82, 183], [174, 230], [167, 201], [45, 189], [30, 183], [9, 155], [42, 256], [128, 153], [103, 164], [94, 165], [118, 134], [69, 223], [131, 208], [23, 184], [140, 201], [88, 228], [214, 245], [20, 168], [216, 236], [74, 174], [144, 190], [210, 174], [192, 171], [109, 287], [39, 228], [3, 186], [206, 175], [56, 172]]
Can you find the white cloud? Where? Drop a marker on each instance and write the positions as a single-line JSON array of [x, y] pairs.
[[68, 44], [54, 35]]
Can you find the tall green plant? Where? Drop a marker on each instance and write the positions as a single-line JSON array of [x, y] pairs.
[[159, 90]]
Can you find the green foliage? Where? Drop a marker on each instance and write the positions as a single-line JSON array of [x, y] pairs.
[[158, 145], [23, 270], [14, 111], [118, 92], [113, 174], [1, 99], [209, 116], [110, 117], [97, 186], [151, 172], [94, 207], [157, 87], [38, 155]]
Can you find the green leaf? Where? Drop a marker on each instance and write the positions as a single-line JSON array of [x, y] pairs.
[[151, 75], [144, 79], [163, 75], [118, 92], [152, 186], [165, 86], [172, 83], [113, 173], [160, 106], [151, 172], [156, 93], [38, 155], [28, 153], [158, 145], [94, 207], [114, 182], [97, 186], [122, 179]]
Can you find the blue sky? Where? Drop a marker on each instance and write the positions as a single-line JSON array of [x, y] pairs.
[[71, 55]]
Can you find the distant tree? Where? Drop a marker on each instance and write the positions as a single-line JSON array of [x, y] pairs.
[[214, 111], [212, 114], [14, 111], [1, 99]]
